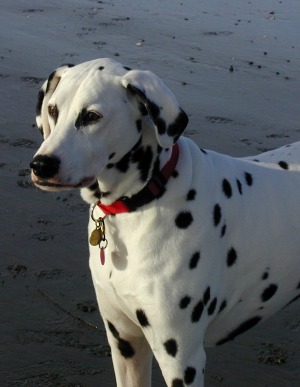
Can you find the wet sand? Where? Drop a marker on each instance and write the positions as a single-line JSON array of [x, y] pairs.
[[234, 68]]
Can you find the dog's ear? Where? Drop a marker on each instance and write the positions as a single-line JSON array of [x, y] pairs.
[[44, 96], [157, 101]]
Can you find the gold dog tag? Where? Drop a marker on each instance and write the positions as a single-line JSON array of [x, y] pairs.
[[96, 237]]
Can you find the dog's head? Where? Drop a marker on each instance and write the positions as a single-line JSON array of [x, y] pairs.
[[91, 113]]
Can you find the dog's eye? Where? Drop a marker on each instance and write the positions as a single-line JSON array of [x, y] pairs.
[[92, 117], [53, 112]]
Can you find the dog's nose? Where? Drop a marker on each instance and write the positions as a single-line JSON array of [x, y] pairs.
[[45, 166]]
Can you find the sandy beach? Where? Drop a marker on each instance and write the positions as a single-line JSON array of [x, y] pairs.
[[234, 67]]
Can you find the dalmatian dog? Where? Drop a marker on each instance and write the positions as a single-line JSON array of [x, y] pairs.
[[188, 248]]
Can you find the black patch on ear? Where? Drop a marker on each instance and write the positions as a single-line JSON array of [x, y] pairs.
[[40, 99], [177, 127], [101, 68], [174, 129], [51, 76]]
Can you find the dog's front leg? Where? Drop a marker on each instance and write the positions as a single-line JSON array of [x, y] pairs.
[[181, 364], [132, 358]]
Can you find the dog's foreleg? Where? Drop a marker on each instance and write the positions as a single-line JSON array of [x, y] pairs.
[[132, 358]]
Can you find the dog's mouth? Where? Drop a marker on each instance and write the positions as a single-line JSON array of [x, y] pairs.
[[52, 185]]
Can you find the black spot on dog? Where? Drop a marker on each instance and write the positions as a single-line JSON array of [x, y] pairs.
[[227, 188], [96, 190], [143, 156], [177, 383], [283, 165], [223, 306], [142, 318], [212, 306], [184, 302], [40, 99], [139, 125], [51, 76], [269, 292], [265, 275], [194, 260], [206, 296], [197, 312], [175, 174], [143, 110], [127, 68], [248, 178], [239, 185], [184, 219], [111, 155], [123, 164], [231, 257], [113, 330], [217, 215], [246, 325], [94, 186], [191, 195], [171, 347], [124, 346], [189, 375], [223, 231], [101, 68]]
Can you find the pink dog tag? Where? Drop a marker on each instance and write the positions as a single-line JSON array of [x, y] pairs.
[[102, 256]]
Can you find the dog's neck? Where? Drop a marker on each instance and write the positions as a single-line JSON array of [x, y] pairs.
[[128, 175]]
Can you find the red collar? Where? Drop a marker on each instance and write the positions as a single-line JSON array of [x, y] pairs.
[[154, 189]]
